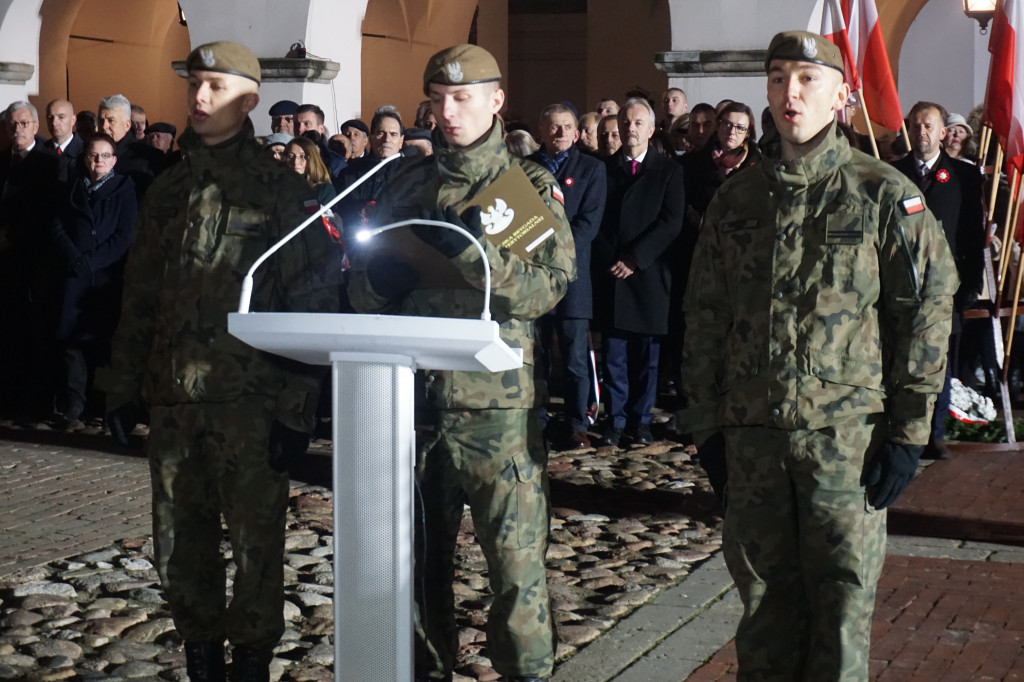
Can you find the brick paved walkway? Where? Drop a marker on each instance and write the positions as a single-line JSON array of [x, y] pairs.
[[941, 619], [48, 496]]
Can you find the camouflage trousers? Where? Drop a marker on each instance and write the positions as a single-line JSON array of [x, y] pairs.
[[208, 461], [804, 549], [496, 461]]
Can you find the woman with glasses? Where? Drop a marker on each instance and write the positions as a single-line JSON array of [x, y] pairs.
[[90, 239], [303, 156], [730, 149]]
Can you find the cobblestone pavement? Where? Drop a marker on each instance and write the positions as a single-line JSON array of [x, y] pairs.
[[79, 597]]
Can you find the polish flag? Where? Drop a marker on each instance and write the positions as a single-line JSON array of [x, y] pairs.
[[1004, 101], [833, 29], [872, 61]]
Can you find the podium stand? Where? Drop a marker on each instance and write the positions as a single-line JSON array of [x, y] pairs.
[[373, 358]]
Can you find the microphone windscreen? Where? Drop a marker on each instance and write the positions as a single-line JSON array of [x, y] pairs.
[[411, 152]]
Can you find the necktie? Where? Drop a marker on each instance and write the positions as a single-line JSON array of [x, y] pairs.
[[634, 164], [924, 177], [59, 152]]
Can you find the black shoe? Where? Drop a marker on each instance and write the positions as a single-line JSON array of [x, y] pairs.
[[612, 437], [642, 435], [251, 663], [204, 661], [936, 449]]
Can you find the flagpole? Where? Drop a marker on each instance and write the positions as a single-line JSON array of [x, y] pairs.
[[1011, 326], [867, 120], [1012, 212], [996, 173]]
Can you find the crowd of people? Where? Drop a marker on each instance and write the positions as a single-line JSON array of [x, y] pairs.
[[690, 284]]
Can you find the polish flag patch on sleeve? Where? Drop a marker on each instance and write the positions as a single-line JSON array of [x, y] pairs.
[[912, 205], [556, 192], [311, 206]]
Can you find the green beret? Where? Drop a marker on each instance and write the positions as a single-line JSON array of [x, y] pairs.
[[804, 46], [224, 57], [461, 65]]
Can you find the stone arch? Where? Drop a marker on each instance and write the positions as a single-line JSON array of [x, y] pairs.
[[399, 36], [896, 16], [89, 50]]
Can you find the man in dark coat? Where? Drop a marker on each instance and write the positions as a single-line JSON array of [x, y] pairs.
[[64, 142], [584, 184], [135, 159], [28, 175], [632, 272], [952, 191]]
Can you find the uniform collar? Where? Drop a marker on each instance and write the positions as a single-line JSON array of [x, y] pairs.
[[460, 162], [235, 149], [822, 161]]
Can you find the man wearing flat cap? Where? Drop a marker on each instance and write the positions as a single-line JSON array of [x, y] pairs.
[[818, 312], [224, 418], [282, 116], [481, 442]]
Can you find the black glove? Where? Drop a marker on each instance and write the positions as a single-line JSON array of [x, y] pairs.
[[449, 242], [79, 267], [390, 277], [890, 472], [286, 445], [711, 456], [121, 421]]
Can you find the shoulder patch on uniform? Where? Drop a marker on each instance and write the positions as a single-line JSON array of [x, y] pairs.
[[557, 194], [912, 205], [311, 206]]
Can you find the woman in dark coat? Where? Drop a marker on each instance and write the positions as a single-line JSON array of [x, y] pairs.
[[90, 241]]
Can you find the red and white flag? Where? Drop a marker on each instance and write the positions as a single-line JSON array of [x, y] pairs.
[[1004, 101], [868, 64], [833, 29]]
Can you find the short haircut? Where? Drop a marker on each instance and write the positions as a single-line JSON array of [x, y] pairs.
[[921, 106], [18, 106], [588, 118], [381, 115], [741, 108], [639, 102], [93, 138], [521, 143], [136, 109], [702, 108], [606, 99], [316, 170], [679, 90], [317, 111], [116, 103], [551, 109], [614, 118]]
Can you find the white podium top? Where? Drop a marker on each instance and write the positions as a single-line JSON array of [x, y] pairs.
[[431, 342]]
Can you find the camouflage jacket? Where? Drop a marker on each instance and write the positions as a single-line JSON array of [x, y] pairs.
[[821, 288], [202, 224], [521, 290]]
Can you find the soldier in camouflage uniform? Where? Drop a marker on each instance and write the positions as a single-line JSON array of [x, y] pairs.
[[224, 416], [480, 443], [818, 310]]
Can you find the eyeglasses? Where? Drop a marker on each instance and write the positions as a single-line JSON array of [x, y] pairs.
[[106, 156], [292, 157], [22, 124], [734, 126]]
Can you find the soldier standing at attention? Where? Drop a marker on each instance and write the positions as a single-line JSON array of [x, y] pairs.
[[480, 440], [225, 418], [818, 311]]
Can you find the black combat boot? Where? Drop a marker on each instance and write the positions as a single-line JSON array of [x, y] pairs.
[[251, 663], [204, 661]]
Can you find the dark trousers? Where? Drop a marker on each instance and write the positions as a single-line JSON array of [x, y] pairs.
[[942, 400], [572, 343], [631, 376]]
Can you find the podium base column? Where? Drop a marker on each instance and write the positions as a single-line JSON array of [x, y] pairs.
[[374, 456]]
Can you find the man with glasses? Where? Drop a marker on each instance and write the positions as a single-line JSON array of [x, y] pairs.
[[28, 176]]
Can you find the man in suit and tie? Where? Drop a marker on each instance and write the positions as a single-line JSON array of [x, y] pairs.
[[952, 191], [582, 181], [632, 270], [28, 173], [64, 142]]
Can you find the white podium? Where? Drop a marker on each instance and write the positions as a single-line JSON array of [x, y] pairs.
[[373, 358]]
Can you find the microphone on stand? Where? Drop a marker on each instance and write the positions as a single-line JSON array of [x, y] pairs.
[[370, 233], [246, 296]]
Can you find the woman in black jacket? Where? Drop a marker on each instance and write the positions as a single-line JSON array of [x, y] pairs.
[[90, 240]]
